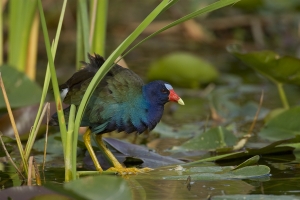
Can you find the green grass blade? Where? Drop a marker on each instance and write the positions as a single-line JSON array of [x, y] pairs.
[[21, 18], [46, 83], [60, 113], [109, 62], [207, 9], [79, 39], [15, 11], [99, 31], [29, 11], [85, 27], [1, 35]]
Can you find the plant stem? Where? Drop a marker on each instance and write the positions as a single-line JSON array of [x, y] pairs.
[[282, 95], [70, 173], [9, 157], [32, 48], [13, 124]]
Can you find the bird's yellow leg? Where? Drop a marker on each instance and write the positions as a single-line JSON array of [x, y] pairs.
[[107, 152], [117, 167], [87, 142]]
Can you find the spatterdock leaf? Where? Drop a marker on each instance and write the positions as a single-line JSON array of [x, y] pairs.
[[185, 131], [283, 126], [130, 155], [221, 173], [21, 91], [250, 161], [24, 118], [212, 139], [100, 187], [285, 69], [255, 197], [33, 192], [195, 72]]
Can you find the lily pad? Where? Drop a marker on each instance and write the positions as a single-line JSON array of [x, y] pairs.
[[21, 91], [31, 192], [54, 150], [251, 161], [285, 69], [183, 69], [255, 197], [185, 131], [100, 187], [8, 149], [223, 173], [24, 118], [214, 138], [283, 126], [130, 155]]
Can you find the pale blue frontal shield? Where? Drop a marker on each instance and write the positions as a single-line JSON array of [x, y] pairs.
[[168, 86]]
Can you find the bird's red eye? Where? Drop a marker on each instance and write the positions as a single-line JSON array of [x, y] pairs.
[[163, 90]]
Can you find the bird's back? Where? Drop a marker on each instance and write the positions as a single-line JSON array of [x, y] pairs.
[[116, 101]]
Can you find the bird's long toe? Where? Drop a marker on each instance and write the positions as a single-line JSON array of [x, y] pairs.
[[129, 171]]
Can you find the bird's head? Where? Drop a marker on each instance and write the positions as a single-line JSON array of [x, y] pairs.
[[161, 92]]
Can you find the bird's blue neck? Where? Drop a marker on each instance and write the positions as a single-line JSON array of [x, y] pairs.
[[155, 108]]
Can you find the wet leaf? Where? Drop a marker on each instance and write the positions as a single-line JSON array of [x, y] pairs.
[[195, 72], [8, 148], [30, 192], [274, 113], [284, 69], [54, 146], [21, 91], [24, 118], [251, 161], [185, 131], [282, 146], [54, 155], [130, 154], [100, 187], [170, 189], [255, 197], [214, 138], [6, 180], [221, 173], [283, 126], [8, 139]]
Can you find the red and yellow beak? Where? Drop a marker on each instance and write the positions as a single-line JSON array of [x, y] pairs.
[[174, 97]]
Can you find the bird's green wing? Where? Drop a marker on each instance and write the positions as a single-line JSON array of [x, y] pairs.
[[120, 86]]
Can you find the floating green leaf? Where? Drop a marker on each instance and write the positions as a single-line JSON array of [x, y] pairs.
[[284, 69], [183, 69], [21, 91], [186, 131], [255, 197], [283, 126], [100, 187], [221, 173], [212, 139], [8, 149], [46, 192], [251, 161], [24, 118]]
